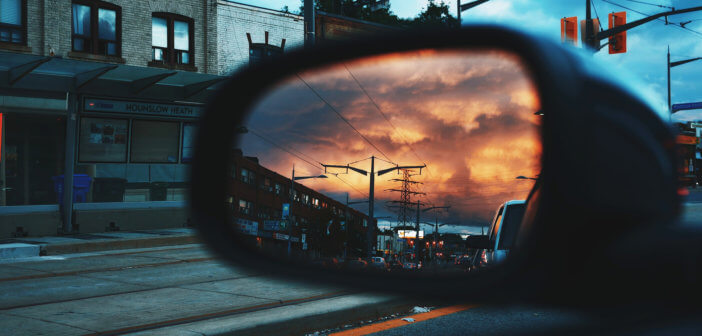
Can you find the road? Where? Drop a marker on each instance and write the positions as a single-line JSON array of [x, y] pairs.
[[166, 290]]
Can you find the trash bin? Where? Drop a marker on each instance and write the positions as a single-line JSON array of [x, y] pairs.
[[108, 189], [81, 186], [158, 191]]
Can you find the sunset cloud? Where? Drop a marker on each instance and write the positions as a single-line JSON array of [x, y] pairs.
[[468, 115]]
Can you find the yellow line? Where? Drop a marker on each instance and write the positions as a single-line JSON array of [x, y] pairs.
[[373, 328]]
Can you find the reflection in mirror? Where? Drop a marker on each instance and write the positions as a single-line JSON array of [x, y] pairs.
[[391, 163]]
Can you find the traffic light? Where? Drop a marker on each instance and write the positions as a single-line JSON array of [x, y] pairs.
[[617, 43], [594, 43], [569, 30]]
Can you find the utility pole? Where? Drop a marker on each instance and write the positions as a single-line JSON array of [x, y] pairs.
[[672, 65], [292, 201], [589, 38], [405, 202], [309, 24], [370, 233], [436, 228]]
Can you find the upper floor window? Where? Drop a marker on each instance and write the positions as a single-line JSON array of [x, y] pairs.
[[13, 25], [172, 39], [96, 28], [248, 176]]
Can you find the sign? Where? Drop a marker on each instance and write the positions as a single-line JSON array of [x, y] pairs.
[[281, 236], [569, 30], [303, 237], [687, 140], [295, 239], [247, 227], [121, 106], [409, 234], [286, 209], [686, 106], [272, 225], [617, 43]]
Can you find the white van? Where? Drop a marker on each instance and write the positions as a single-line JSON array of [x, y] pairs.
[[502, 235]]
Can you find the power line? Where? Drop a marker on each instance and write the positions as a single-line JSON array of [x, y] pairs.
[[299, 157], [597, 16], [678, 25], [380, 110], [342, 117], [650, 4]]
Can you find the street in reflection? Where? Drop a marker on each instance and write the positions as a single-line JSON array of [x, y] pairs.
[[391, 163]]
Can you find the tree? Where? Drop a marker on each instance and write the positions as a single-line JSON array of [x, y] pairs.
[[435, 16]]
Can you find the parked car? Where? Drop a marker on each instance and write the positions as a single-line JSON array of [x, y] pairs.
[[502, 235]]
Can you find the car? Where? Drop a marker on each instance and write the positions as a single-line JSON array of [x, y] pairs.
[[410, 266], [502, 234]]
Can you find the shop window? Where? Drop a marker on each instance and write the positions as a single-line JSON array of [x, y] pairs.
[[245, 207], [248, 176], [154, 141], [188, 143], [96, 27], [103, 140], [172, 39], [13, 21]]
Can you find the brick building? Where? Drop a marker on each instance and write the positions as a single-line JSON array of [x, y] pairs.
[[257, 195]]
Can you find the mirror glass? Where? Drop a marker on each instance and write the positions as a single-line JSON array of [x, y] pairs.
[[389, 163]]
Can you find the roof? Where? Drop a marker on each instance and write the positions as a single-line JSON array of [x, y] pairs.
[[56, 74]]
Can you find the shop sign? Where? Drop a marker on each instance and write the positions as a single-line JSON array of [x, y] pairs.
[[247, 227], [286, 209], [295, 239], [131, 107], [281, 236], [272, 225]]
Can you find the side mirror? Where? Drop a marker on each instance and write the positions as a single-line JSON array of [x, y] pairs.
[[479, 242]]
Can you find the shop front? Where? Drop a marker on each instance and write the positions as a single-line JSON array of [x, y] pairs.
[[91, 147]]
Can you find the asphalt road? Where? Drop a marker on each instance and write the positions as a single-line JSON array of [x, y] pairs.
[[165, 290]]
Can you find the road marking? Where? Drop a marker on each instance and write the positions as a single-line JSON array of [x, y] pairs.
[[207, 316], [399, 322]]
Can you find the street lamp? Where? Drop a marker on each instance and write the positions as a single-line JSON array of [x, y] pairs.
[[521, 177], [292, 200], [672, 65]]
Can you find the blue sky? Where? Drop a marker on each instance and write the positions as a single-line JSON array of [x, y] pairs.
[[644, 63]]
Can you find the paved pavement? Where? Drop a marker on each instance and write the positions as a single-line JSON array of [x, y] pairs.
[[180, 289]]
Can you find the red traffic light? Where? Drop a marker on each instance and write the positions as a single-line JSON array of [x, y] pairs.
[[617, 43], [569, 30]]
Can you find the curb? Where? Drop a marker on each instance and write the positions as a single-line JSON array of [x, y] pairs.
[[328, 320], [117, 244]]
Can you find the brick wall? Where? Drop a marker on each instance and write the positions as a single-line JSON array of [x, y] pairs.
[[49, 27], [234, 20]]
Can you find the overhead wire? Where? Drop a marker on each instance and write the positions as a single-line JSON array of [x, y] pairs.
[[342, 117], [648, 3], [674, 24], [380, 110], [304, 160]]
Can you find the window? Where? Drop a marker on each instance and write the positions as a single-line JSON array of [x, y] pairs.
[[155, 141], [278, 188], [245, 207], [172, 39], [248, 176], [13, 26], [97, 28], [103, 140], [267, 184]]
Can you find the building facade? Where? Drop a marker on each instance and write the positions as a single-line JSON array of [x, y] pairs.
[[99, 101], [314, 222]]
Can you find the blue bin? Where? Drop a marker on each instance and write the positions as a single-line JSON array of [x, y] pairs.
[[81, 186]]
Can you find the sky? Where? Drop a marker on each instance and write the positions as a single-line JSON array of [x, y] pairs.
[[429, 104], [644, 64]]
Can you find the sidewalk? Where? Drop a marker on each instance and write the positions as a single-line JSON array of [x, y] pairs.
[[90, 242]]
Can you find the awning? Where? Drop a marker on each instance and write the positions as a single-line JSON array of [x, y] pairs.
[[56, 74]]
